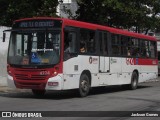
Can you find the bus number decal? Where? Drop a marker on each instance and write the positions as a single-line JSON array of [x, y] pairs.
[[45, 73]]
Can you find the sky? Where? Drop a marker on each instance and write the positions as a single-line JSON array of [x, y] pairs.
[[66, 1]]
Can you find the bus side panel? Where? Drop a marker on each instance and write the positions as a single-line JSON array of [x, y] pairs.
[[109, 79], [112, 77], [120, 72], [128, 67], [73, 68], [148, 72]]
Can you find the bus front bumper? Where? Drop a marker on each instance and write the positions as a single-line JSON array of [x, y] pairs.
[[53, 83]]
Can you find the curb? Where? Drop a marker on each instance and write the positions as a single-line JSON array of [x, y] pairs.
[[5, 89]]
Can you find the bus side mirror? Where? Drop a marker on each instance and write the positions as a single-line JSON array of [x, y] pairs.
[[4, 36]]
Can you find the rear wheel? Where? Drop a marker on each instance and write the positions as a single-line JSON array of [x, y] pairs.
[[134, 81], [38, 93], [84, 85]]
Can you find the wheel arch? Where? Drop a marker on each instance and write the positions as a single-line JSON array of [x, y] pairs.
[[88, 73]]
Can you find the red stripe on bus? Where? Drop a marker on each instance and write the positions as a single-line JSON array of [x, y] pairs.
[[140, 61]]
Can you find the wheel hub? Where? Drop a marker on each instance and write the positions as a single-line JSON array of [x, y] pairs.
[[84, 85]]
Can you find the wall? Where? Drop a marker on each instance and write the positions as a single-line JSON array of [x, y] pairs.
[[3, 55]]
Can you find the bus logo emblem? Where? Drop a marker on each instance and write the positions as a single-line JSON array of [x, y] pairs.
[[90, 60]]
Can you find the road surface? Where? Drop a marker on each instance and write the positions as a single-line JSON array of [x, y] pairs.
[[113, 98]]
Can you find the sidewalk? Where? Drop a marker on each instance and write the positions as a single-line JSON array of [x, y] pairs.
[[5, 89], [3, 81]]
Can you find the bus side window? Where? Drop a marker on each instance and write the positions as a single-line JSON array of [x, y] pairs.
[[70, 42], [116, 48], [87, 41], [152, 48], [143, 49], [135, 47], [91, 42], [124, 49], [83, 48], [105, 44]]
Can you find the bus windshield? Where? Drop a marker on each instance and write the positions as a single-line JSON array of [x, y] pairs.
[[34, 47]]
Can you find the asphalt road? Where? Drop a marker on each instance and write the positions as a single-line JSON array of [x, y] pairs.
[[113, 98]]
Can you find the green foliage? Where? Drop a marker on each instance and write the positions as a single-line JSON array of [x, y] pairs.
[[125, 14], [11, 10]]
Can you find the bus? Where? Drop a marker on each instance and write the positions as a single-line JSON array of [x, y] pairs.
[[48, 53]]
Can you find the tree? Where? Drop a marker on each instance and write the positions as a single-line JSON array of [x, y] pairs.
[[48, 8], [126, 14], [92, 11], [11, 10]]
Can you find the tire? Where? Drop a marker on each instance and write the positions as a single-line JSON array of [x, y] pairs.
[[84, 85], [134, 81], [38, 93]]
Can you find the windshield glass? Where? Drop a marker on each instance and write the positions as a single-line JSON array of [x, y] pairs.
[[29, 47]]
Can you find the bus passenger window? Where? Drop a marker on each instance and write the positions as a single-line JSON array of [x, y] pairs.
[[83, 47], [129, 52], [91, 42], [144, 51], [105, 44], [116, 48], [87, 41], [70, 42], [124, 46], [152, 49], [134, 47]]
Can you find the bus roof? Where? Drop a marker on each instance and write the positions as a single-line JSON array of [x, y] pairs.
[[93, 26]]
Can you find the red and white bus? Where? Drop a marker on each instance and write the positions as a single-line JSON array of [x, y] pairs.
[[61, 54]]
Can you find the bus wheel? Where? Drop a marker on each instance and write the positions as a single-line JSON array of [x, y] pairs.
[[84, 85], [38, 93], [134, 81]]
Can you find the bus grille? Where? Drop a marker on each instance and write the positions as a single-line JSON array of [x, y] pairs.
[[29, 77], [29, 74]]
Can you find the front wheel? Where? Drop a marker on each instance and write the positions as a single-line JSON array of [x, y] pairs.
[[84, 85]]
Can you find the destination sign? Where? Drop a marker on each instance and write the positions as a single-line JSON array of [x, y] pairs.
[[37, 24]]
